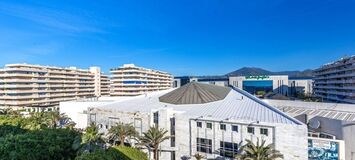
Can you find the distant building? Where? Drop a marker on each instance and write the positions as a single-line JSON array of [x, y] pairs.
[[215, 80], [207, 119], [130, 80], [261, 84], [336, 81], [300, 86], [37, 87]]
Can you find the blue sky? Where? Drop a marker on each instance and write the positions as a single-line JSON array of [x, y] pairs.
[[201, 37]]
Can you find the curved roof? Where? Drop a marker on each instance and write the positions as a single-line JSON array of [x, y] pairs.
[[195, 93]]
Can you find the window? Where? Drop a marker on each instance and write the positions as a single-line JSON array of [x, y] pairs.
[[222, 127], [204, 145], [209, 125], [138, 125], [251, 130], [112, 121], [172, 141], [235, 128], [172, 132], [156, 118], [228, 149], [264, 131], [199, 124], [172, 155]]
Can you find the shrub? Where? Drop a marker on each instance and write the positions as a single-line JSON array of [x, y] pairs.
[[39, 144], [131, 153], [114, 153]]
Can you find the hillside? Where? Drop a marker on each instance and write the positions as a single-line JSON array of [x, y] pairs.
[[253, 71]]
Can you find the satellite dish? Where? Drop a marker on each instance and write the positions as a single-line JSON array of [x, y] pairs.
[[314, 124]]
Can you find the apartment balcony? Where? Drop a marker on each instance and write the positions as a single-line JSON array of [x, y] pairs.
[[23, 80], [336, 82], [334, 92], [336, 87], [126, 94], [336, 76], [19, 75], [19, 86], [335, 98], [335, 71], [337, 64]]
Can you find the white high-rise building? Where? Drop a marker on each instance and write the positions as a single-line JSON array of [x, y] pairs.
[[336, 81], [40, 87], [130, 80]]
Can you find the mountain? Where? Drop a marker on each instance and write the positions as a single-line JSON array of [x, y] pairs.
[[253, 71]]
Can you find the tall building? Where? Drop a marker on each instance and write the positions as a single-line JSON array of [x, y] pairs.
[[37, 87], [130, 80], [336, 81]]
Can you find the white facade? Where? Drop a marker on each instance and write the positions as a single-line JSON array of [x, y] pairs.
[[35, 86], [130, 80], [303, 86], [216, 123], [77, 110], [279, 83]]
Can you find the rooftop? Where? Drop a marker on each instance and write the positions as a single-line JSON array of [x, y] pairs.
[[236, 105], [195, 93]]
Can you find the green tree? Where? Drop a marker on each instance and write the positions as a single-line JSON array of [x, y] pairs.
[[38, 144], [153, 138], [91, 140], [58, 120], [37, 120], [120, 132], [258, 151]]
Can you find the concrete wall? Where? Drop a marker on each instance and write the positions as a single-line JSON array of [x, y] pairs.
[[291, 140], [304, 86], [343, 130]]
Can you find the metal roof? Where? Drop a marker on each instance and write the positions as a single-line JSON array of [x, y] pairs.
[[195, 93], [344, 112], [238, 105]]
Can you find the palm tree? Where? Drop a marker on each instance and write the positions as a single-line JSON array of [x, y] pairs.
[[54, 118], [121, 131], [198, 156], [37, 120], [153, 138], [60, 120], [92, 138], [258, 151]]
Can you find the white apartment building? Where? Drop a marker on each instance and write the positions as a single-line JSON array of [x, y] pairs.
[[336, 81], [130, 80], [207, 119], [37, 87]]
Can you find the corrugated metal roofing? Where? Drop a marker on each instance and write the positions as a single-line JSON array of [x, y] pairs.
[[345, 112], [195, 93], [237, 105]]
